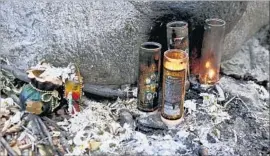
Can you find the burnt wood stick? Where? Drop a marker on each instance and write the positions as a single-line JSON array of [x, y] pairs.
[[53, 123], [99, 90], [47, 133], [103, 91], [16, 72], [7, 147], [63, 134], [38, 126], [45, 130], [15, 99]]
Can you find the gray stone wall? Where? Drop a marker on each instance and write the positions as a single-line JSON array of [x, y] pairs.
[[103, 37], [100, 36], [255, 17]]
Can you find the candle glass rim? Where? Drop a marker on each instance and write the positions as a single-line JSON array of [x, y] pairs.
[[185, 58], [210, 20], [157, 48], [184, 24]]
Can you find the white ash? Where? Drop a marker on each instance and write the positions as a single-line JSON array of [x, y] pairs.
[[212, 108], [96, 122], [220, 93], [52, 73], [5, 102], [255, 96], [190, 105]]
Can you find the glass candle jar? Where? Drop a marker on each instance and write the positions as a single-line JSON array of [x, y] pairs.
[[148, 78], [174, 77], [177, 38], [177, 35], [212, 48]]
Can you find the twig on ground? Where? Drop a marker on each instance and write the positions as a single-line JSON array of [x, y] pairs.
[[39, 127], [14, 128], [225, 105], [47, 133], [15, 99], [221, 94], [7, 147], [243, 103], [6, 126], [27, 130], [53, 123], [65, 143], [63, 134], [45, 130], [17, 73], [26, 146], [41, 141]]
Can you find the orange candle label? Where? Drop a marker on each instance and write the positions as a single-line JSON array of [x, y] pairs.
[[172, 98], [174, 82]]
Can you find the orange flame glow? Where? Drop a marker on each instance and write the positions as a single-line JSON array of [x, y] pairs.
[[207, 64], [211, 73]]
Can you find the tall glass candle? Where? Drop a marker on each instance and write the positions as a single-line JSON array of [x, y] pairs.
[[174, 77], [212, 48], [177, 38], [177, 35], [148, 79]]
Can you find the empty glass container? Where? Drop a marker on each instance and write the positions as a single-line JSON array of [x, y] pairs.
[[212, 49], [148, 78]]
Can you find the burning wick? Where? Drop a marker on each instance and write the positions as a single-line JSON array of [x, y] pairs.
[[207, 64], [211, 73]]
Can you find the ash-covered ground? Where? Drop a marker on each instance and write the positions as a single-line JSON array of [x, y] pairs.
[[236, 125], [233, 121]]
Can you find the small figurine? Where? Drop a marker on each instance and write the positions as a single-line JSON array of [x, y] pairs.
[[73, 89], [41, 96], [45, 91]]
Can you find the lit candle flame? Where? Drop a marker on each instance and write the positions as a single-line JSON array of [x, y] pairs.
[[211, 73], [207, 64]]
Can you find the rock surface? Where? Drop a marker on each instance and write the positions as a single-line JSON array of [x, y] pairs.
[[151, 124], [250, 117], [99, 36], [103, 37], [243, 19], [255, 97], [252, 59], [254, 18], [126, 117], [194, 13]]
